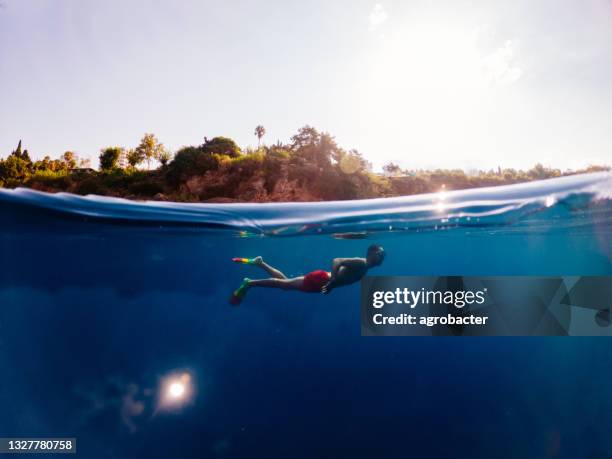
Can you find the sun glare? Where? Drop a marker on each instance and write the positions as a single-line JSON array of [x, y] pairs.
[[441, 197], [436, 80], [430, 61], [176, 391]]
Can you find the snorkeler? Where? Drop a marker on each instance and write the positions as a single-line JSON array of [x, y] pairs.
[[344, 271]]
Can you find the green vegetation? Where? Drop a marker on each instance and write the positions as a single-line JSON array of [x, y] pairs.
[[312, 167], [109, 158]]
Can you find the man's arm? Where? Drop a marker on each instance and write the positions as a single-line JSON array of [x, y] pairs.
[[336, 265], [336, 276]]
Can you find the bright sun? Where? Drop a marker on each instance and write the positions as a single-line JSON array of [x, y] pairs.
[[176, 390], [437, 81]]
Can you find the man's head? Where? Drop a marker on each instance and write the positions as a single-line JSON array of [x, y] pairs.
[[376, 255]]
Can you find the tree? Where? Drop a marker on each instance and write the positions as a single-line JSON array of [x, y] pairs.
[[260, 131], [306, 136], [43, 164], [14, 170], [135, 157], [149, 148], [190, 161], [70, 159], [221, 146], [392, 169], [353, 162], [165, 156], [329, 148], [48, 164], [364, 163], [109, 158], [21, 155], [314, 148], [17, 151]]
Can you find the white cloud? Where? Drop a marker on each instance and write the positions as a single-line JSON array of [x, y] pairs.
[[502, 66], [377, 17]]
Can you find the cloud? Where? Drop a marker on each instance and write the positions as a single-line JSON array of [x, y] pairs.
[[377, 17], [501, 66]]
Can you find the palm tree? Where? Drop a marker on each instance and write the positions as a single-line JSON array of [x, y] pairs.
[[260, 131]]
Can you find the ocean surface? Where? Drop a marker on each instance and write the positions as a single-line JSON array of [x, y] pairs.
[[104, 301]]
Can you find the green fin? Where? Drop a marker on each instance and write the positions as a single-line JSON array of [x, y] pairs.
[[240, 292]]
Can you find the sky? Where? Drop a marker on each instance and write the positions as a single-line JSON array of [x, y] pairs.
[[445, 84]]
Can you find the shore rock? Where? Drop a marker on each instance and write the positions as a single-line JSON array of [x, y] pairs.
[[160, 197], [252, 189]]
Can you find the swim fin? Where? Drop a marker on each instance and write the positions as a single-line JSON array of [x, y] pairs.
[[240, 292], [246, 261]]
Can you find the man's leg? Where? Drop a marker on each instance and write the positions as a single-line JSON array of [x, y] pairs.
[[275, 273], [283, 284]]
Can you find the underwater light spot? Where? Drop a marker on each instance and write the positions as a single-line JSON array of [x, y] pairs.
[[176, 390]]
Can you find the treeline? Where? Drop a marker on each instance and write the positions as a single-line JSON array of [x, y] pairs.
[[405, 181], [310, 167]]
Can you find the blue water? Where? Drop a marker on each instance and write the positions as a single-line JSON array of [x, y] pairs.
[[101, 299]]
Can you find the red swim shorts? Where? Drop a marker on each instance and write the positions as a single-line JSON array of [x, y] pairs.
[[314, 281]]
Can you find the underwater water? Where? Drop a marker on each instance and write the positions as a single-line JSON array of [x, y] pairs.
[[101, 299]]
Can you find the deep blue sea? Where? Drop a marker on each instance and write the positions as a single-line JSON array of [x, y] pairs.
[[103, 300]]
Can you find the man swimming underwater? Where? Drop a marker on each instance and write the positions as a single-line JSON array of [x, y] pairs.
[[344, 271]]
